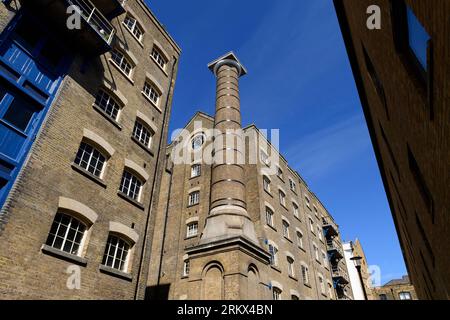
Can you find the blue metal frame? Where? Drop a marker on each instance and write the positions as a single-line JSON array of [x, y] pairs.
[[27, 76]]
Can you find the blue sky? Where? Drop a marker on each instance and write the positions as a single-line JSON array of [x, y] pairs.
[[300, 82]]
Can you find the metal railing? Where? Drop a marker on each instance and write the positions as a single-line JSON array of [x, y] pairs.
[[333, 245], [95, 18], [337, 272]]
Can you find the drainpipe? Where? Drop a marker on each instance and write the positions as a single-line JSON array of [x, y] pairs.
[[161, 140]]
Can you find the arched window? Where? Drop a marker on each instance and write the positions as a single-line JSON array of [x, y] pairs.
[[269, 217], [133, 27], [273, 250], [131, 185], [122, 62], [276, 293], [143, 134], [116, 254], [291, 268], [266, 184], [107, 104], [197, 141], [90, 159], [67, 234], [192, 229], [286, 229]]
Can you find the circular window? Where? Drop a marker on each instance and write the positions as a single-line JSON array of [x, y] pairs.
[[198, 141]]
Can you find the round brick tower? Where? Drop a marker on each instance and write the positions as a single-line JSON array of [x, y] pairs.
[[228, 215]]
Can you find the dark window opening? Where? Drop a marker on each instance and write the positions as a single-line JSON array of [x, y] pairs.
[[19, 113], [425, 240], [28, 34], [376, 81], [421, 183], [391, 152]]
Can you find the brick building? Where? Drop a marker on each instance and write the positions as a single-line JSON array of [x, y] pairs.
[[397, 289], [239, 230], [83, 126], [402, 75]]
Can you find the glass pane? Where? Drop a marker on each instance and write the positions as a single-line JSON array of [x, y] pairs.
[[418, 38], [19, 113]]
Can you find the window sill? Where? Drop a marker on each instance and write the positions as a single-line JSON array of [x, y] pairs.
[[286, 238], [268, 192], [282, 180], [151, 102], [134, 37], [184, 277], [276, 268], [284, 206], [301, 248], [271, 227], [298, 218], [63, 255], [88, 175], [195, 177], [143, 146], [128, 77], [307, 285], [115, 273], [159, 66], [114, 122], [131, 200], [193, 205], [191, 237], [293, 278]]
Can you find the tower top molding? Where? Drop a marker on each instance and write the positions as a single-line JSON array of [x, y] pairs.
[[227, 59]]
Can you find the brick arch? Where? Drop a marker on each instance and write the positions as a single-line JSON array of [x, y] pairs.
[[213, 287]]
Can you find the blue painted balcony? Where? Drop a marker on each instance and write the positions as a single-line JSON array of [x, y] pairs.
[[95, 34]]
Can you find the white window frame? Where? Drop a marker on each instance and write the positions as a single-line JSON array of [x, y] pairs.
[[276, 293], [282, 197], [196, 170], [291, 266], [269, 216], [133, 180], [266, 184], [135, 26], [296, 210], [299, 239], [285, 226], [186, 268], [151, 92], [125, 260], [142, 132], [91, 159], [292, 185], [80, 248], [305, 273], [123, 63], [194, 198], [192, 229], [274, 256], [160, 58]]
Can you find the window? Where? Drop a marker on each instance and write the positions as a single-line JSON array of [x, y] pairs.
[[197, 141], [286, 229], [294, 297], [143, 134], [330, 290], [311, 224], [106, 103], [192, 229], [405, 296], [273, 255], [119, 59], [316, 252], [269, 217], [382, 296], [131, 186], [151, 92], [296, 212], [266, 184], [186, 268], [194, 198], [291, 271], [305, 274], [90, 159], [116, 253], [66, 234], [264, 158], [418, 38], [196, 170], [279, 173], [292, 185], [325, 259], [299, 239], [316, 212], [159, 57], [276, 293], [132, 25], [321, 284], [282, 198], [307, 202], [319, 232]]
